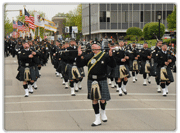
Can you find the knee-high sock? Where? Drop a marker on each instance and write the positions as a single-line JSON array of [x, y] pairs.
[[103, 105], [96, 108]]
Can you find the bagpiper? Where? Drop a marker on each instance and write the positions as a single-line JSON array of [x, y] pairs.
[[97, 63], [163, 70]]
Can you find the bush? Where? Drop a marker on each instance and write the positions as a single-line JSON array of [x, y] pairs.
[[151, 28], [134, 31]]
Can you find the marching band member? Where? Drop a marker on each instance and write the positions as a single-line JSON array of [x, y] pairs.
[[164, 73], [134, 65], [27, 72], [97, 78], [145, 55], [154, 52]]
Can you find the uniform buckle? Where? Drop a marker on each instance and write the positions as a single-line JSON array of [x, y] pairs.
[[27, 64], [94, 76]]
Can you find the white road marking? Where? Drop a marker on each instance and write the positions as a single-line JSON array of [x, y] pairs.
[[75, 110], [85, 94], [112, 100]]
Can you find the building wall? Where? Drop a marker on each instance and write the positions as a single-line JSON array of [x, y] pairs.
[[59, 22], [119, 17]]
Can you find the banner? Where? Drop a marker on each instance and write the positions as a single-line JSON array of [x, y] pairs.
[[49, 25], [38, 21]]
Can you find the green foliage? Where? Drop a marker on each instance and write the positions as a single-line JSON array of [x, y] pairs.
[[133, 37], [171, 19], [134, 31], [151, 28], [8, 26]]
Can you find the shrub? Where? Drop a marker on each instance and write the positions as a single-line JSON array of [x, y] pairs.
[[151, 28], [134, 31]]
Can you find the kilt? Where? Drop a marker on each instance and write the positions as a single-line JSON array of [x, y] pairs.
[[105, 95], [59, 67], [154, 67], [143, 63], [110, 72], [169, 73], [116, 73], [82, 72], [131, 65], [20, 75], [69, 69], [37, 72]]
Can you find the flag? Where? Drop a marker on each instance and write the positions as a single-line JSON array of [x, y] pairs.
[[29, 19], [15, 34], [20, 25], [38, 21], [49, 25], [14, 25]]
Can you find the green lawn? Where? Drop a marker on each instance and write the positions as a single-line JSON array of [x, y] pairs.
[[153, 41]]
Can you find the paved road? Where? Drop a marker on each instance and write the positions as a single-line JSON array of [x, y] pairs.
[[52, 108]]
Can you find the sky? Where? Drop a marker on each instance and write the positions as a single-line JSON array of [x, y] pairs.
[[50, 10]]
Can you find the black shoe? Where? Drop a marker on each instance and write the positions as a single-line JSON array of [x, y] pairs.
[[35, 88], [159, 91], [93, 125], [31, 92], [66, 87], [73, 94], [164, 95], [117, 90], [149, 82], [104, 120], [136, 79], [26, 96], [120, 94], [166, 92], [134, 82], [76, 90], [124, 92], [144, 84], [80, 88]]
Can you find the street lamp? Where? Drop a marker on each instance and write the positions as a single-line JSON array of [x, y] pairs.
[[159, 18]]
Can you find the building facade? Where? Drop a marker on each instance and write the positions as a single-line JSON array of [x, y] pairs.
[[59, 22], [114, 19]]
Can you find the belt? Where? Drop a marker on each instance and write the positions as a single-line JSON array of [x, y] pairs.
[[96, 77]]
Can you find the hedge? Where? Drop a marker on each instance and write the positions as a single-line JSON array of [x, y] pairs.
[[134, 31], [151, 28]]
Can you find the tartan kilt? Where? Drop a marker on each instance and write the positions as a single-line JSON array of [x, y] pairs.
[[154, 67], [105, 95], [110, 72], [116, 73], [59, 67], [143, 63], [37, 72], [82, 72], [131, 65], [169, 73], [20, 75], [69, 69], [64, 70]]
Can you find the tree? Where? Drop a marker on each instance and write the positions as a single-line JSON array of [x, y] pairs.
[[134, 31], [153, 28], [8, 26], [171, 19]]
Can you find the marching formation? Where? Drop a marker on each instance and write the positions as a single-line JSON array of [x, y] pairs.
[[107, 62]]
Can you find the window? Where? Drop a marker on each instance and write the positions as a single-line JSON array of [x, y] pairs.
[[147, 16], [147, 6], [170, 6], [108, 16], [102, 16], [119, 6], [124, 7], [113, 7], [141, 16], [102, 7], [158, 7], [113, 16], [135, 6], [108, 7], [135, 17], [119, 17]]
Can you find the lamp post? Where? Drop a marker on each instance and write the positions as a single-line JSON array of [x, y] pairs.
[[159, 18]]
